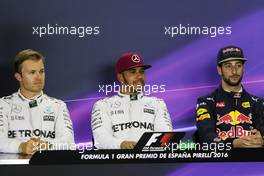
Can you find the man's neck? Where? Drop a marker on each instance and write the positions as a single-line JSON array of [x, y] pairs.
[[126, 90], [28, 94], [128, 93], [231, 88]]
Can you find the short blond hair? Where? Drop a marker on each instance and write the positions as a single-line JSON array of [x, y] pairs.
[[24, 55]]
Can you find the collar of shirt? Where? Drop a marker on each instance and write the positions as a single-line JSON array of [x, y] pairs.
[[131, 97], [37, 98]]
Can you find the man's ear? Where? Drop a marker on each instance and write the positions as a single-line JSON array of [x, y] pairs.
[[120, 78], [18, 77], [219, 70]]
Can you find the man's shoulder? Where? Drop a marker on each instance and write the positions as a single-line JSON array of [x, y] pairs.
[[53, 100], [153, 99], [209, 97], [254, 98], [105, 100], [9, 98]]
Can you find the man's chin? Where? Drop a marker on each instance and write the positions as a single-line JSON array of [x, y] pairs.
[[37, 90], [230, 83], [139, 88]]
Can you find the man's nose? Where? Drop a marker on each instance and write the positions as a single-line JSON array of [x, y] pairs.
[[38, 75], [140, 75], [234, 69]]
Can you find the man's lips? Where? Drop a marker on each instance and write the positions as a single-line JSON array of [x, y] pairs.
[[38, 83], [138, 83], [235, 77]]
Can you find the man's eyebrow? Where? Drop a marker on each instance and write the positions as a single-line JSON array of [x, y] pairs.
[[132, 69]]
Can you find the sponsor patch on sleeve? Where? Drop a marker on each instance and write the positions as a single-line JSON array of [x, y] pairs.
[[246, 104], [203, 116], [201, 111]]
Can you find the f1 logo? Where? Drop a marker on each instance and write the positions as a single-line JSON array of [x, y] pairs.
[[153, 139]]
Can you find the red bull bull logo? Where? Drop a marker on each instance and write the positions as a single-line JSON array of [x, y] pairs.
[[234, 118]]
